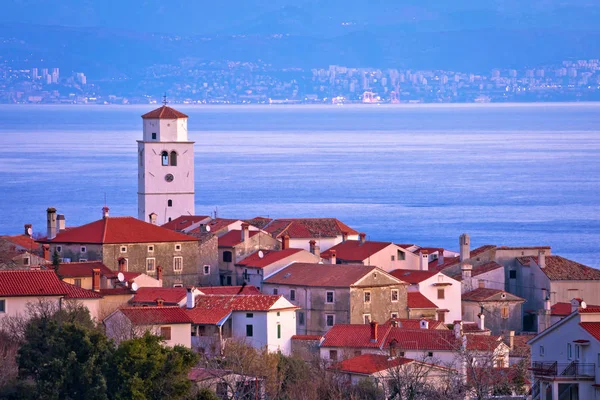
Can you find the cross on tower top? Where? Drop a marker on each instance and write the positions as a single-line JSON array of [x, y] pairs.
[[165, 100]]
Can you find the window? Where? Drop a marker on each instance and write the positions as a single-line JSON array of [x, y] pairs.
[[249, 330], [278, 313], [395, 295], [577, 351], [151, 249], [440, 294], [177, 264], [393, 258], [441, 316], [173, 158], [401, 255], [228, 280], [123, 249], [2, 306], [150, 264], [275, 291], [329, 319], [430, 354], [83, 260], [512, 274], [164, 157], [542, 351], [169, 203], [153, 135], [333, 355], [394, 315], [207, 270], [481, 283], [367, 297], [569, 351], [25, 260], [367, 318], [77, 282], [177, 247], [505, 312], [178, 285], [301, 321], [83, 249], [249, 315], [329, 298], [226, 256], [165, 332], [278, 331], [292, 294], [59, 249], [499, 363]]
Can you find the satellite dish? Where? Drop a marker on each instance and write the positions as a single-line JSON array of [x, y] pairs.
[[134, 286], [207, 228], [261, 254], [120, 277], [29, 231]]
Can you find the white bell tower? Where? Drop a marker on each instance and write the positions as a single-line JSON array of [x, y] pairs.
[[165, 167]]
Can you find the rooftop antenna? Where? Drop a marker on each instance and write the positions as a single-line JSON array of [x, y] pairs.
[[104, 199], [165, 99]]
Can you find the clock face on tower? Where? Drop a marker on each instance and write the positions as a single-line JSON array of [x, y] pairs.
[[169, 177]]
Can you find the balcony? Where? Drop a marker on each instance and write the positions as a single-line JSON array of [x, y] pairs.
[[572, 370]]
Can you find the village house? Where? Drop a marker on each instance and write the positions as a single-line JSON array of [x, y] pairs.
[[500, 310], [219, 227], [330, 294], [187, 223], [167, 296], [442, 291], [419, 306], [226, 384], [252, 269], [385, 255], [171, 323], [129, 245], [565, 358]]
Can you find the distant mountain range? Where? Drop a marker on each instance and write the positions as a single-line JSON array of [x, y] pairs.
[[109, 37]]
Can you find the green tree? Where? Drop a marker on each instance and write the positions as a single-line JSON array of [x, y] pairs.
[[55, 259], [143, 369], [205, 394]]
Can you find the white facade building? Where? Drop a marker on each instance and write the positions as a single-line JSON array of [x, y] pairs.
[[165, 167]]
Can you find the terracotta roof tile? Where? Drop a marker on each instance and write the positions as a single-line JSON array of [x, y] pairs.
[[185, 221], [354, 336], [118, 291], [246, 290], [129, 276], [233, 238], [488, 294], [562, 269], [216, 225], [300, 228], [212, 309], [24, 241], [117, 230], [307, 337], [354, 250], [164, 112], [412, 276], [320, 275], [367, 364], [269, 257], [171, 296], [480, 269], [593, 328], [156, 315], [83, 269], [259, 222], [16, 283], [590, 310], [75, 292], [417, 300], [416, 323]]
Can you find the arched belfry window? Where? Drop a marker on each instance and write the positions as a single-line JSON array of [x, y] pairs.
[[169, 203], [173, 158], [164, 158]]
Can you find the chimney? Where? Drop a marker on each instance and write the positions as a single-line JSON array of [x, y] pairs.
[[46, 251], [440, 256], [159, 274], [424, 260], [481, 322], [362, 237], [458, 329], [104, 212], [542, 258], [60, 223], [393, 323], [51, 222], [190, 298], [96, 279], [344, 236], [316, 250], [465, 247], [245, 229], [285, 242], [374, 329], [511, 339], [122, 264], [27, 228], [332, 257], [160, 302], [424, 324], [152, 218], [466, 271], [575, 304]]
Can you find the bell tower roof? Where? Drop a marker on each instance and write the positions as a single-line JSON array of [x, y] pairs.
[[164, 112]]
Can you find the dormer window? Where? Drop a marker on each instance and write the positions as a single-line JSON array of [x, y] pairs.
[[164, 156]]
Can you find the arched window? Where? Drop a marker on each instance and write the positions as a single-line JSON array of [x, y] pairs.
[[173, 158], [164, 158], [169, 203]]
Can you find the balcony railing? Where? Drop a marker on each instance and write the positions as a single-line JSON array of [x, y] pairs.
[[573, 369]]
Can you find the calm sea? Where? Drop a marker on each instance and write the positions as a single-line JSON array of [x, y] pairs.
[[507, 175]]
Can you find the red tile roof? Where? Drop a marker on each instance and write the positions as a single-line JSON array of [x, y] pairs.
[[367, 364], [307, 337], [300, 228], [75, 292], [593, 328], [83, 269], [128, 276], [590, 310], [417, 300], [488, 294], [561, 309], [562, 269], [320, 275], [259, 222], [24, 241], [246, 290], [233, 238], [355, 336], [412, 276], [156, 315], [354, 250], [216, 225], [416, 323], [164, 112], [20, 283], [269, 257], [185, 221], [171, 296], [212, 309], [117, 230], [118, 291], [480, 269]]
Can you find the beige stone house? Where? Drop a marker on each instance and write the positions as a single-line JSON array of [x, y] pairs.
[[501, 310], [330, 294]]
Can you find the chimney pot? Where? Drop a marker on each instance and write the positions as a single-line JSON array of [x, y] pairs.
[[374, 329], [285, 242], [96, 279], [245, 232], [152, 218], [362, 237], [481, 323], [440, 256], [51, 222], [159, 273], [344, 236], [105, 212], [46, 252], [542, 258], [122, 264], [160, 302], [424, 324], [332, 257], [60, 223], [424, 260], [190, 298], [511, 339], [465, 247]]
